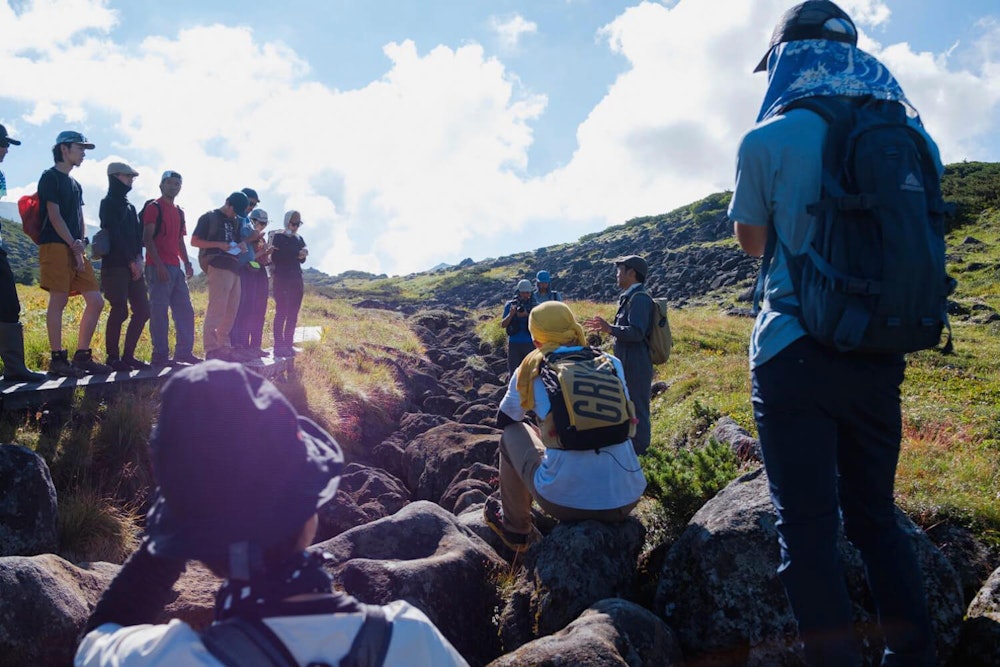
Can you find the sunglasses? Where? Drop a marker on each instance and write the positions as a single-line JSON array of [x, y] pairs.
[[296, 224]]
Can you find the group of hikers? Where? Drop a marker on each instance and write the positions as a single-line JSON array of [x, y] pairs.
[[144, 269], [240, 475]]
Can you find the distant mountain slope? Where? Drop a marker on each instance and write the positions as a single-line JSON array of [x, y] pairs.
[[690, 250]]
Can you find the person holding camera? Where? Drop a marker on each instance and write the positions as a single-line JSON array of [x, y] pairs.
[[515, 322]]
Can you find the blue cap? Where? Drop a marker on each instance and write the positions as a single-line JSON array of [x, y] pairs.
[[239, 202], [543, 277], [73, 137]]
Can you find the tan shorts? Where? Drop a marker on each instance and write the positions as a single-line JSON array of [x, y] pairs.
[[57, 271]]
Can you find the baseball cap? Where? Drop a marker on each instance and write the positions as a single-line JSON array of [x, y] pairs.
[[543, 277], [169, 173], [73, 137], [814, 19], [237, 469], [121, 168], [239, 202], [524, 286], [6, 138], [251, 194], [259, 215], [634, 262]]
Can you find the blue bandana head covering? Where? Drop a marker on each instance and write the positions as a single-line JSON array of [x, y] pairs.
[[825, 68]]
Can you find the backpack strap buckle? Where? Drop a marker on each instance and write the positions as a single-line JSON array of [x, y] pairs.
[[862, 287], [862, 202]]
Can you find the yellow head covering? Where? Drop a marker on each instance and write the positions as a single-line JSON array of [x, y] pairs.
[[552, 324]]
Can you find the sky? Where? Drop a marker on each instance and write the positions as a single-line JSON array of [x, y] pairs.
[[411, 133]]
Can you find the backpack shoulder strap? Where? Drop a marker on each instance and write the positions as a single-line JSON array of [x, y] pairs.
[[371, 644], [240, 641]]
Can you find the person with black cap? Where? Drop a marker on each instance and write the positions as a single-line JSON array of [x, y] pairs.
[[630, 330], [121, 270], [239, 477], [249, 270], [63, 267], [11, 331], [829, 422], [217, 236]]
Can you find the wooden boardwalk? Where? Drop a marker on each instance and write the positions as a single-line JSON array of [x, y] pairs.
[[24, 395]]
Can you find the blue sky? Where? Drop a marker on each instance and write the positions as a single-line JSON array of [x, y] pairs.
[[411, 133]]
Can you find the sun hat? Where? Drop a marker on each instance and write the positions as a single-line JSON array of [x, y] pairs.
[[6, 138], [259, 215], [121, 168], [237, 469], [634, 262], [73, 137], [814, 19]]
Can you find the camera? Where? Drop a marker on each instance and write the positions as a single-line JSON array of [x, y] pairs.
[[521, 308]]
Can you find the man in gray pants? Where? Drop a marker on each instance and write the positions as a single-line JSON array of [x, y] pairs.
[[630, 329]]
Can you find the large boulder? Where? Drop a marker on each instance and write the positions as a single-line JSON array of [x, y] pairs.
[[980, 644], [27, 504], [45, 602], [423, 555], [574, 566], [720, 592], [433, 458], [609, 633], [365, 494]]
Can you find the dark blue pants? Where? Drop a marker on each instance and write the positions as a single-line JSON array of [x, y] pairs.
[[830, 427], [249, 326], [288, 292]]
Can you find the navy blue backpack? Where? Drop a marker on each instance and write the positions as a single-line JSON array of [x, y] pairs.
[[873, 278]]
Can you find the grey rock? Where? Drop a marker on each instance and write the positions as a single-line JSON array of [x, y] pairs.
[[609, 633], [27, 504]]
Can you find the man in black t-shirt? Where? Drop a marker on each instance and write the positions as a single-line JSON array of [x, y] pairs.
[[64, 269], [217, 238]]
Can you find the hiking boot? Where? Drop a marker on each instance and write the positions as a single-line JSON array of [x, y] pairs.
[[120, 365], [135, 364], [84, 360], [60, 366], [159, 362], [188, 359], [493, 513]]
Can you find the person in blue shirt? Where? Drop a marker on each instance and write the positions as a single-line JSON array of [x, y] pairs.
[[515, 323], [829, 422]]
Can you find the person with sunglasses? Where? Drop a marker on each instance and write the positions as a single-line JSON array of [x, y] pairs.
[[289, 253]]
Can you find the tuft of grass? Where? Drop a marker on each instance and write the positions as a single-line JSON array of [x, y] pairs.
[[96, 528]]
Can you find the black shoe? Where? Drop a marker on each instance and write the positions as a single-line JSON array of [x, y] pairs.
[[188, 358], [61, 367], [120, 365], [135, 364], [84, 360]]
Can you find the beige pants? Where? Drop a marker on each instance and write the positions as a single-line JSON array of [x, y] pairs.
[[223, 304], [521, 452]]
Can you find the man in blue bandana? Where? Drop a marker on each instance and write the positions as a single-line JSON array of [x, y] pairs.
[[829, 422]]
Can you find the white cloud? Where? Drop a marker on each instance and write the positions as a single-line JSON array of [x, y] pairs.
[[510, 30], [427, 162]]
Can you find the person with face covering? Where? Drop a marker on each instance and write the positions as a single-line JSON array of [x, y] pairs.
[[121, 270], [289, 253], [829, 421], [569, 485]]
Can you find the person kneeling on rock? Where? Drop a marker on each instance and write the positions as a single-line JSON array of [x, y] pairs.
[[580, 463], [240, 476]]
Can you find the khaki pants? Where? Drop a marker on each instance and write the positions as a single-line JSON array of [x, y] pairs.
[[223, 304], [521, 452]]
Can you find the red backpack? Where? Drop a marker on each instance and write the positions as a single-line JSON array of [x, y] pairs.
[[32, 218]]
